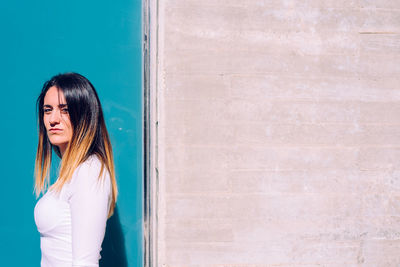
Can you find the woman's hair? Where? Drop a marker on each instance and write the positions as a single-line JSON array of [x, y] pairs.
[[89, 135]]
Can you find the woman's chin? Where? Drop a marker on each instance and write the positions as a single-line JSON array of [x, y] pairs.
[[58, 143]]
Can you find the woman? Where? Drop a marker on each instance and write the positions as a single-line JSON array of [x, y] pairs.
[[71, 216]]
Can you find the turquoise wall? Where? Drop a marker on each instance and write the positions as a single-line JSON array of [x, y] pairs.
[[102, 41]]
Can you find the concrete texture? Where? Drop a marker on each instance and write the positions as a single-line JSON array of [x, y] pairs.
[[278, 138]]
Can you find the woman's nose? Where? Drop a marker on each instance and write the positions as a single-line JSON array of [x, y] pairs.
[[54, 117]]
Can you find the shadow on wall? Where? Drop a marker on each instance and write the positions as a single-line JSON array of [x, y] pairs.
[[113, 252]]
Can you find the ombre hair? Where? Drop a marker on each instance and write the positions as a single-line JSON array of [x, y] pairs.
[[89, 137]]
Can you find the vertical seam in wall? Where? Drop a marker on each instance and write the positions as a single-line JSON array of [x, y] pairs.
[[145, 77], [153, 15], [150, 128]]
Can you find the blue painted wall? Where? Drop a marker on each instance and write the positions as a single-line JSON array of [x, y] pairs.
[[102, 41]]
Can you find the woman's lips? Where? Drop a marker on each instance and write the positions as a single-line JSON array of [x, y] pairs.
[[54, 130]]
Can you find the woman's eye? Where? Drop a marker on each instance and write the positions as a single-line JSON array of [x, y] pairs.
[[64, 110], [46, 110]]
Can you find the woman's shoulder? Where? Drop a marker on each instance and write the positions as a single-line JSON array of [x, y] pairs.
[[89, 171], [92, 163], [88, 180]]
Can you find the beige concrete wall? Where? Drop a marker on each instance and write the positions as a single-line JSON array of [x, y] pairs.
[[278, 133]]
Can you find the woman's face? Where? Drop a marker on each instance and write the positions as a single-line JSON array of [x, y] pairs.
[[56, 119]]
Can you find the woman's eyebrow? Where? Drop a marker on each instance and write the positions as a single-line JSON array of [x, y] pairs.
[[50, 106]]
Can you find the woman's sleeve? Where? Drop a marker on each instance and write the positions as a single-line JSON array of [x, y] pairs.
[[89, 203]]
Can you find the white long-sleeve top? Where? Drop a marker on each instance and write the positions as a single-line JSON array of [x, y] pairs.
[[72, 223]]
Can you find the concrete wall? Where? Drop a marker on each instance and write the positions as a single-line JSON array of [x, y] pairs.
[[278, 133]]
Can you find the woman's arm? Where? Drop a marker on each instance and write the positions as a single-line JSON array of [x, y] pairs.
[[89, 202]]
